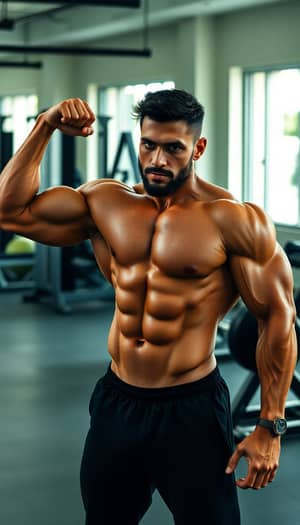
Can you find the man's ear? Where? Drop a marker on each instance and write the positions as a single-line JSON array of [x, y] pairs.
[[199, 148]]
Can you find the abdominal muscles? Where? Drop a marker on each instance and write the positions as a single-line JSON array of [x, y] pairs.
[[163, 325]]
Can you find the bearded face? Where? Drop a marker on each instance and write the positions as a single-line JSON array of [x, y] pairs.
[[160, 182], [166, 154]]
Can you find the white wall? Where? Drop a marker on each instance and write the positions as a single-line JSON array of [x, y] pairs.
[[19, 81]]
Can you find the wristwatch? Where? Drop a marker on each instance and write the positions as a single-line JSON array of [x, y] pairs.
[[277, 426]]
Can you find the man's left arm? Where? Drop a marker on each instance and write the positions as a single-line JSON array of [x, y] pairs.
[[265, 282]]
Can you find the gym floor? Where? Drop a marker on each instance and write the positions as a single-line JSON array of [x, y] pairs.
[[49, 365]]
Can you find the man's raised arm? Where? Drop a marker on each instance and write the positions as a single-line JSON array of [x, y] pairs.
[[58, 215]]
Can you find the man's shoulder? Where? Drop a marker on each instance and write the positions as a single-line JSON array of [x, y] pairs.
[[245, 228], [244, 214], [210, 192], [104, 186]]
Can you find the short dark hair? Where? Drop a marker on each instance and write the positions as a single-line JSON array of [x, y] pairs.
[[169, 105]]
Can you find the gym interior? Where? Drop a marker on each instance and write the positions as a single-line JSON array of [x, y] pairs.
[[241, 59]]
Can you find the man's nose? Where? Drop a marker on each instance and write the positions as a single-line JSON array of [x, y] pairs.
[[159, 157]]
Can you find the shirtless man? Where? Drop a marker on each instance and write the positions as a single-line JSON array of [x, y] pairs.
[[179, 252]]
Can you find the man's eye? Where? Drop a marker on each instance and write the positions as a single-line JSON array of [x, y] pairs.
[[173, 148], [148, 145]]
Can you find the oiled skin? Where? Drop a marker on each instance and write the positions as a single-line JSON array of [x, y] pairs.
[[161, 334], [177, 263]]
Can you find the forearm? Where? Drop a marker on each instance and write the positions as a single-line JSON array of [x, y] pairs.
[[20, 179], [276, 357]]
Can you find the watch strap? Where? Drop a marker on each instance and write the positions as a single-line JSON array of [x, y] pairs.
[[277, 426], [267, 423]]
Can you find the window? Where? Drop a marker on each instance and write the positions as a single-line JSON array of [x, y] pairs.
[[116, 105], [271, 174], [17, 113]]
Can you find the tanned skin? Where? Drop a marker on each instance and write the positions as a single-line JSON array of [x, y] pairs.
[[177, 263]]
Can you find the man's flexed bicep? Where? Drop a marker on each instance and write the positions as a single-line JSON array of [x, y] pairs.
[[59, 216]]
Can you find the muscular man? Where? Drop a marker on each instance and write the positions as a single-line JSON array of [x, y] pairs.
[[179, 251]]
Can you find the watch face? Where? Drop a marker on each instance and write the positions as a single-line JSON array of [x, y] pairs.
[[280, 426]]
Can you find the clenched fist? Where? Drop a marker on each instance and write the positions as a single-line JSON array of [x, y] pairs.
[[72, 116]]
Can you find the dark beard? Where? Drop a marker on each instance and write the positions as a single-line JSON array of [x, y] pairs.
[[157, 190]]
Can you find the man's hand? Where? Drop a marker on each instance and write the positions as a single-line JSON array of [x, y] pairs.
[[261, 451], [72, 116]]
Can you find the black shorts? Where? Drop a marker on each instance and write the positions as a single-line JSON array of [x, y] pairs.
[[174, 439]]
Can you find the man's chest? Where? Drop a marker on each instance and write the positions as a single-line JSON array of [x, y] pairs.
[[182, 241]]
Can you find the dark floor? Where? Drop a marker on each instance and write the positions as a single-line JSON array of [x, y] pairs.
[[49, 365]]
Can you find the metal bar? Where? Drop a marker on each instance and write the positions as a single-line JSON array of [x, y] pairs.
[[110, 3], [46, 12], [92, 51], [29, 65], [6, 261], [43, 14]]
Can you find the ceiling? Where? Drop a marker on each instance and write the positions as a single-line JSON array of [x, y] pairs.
[[79, 23]]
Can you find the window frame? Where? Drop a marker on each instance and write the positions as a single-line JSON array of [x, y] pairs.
[[247, 115]]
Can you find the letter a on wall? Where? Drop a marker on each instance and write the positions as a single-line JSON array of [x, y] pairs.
[[126, 142]]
